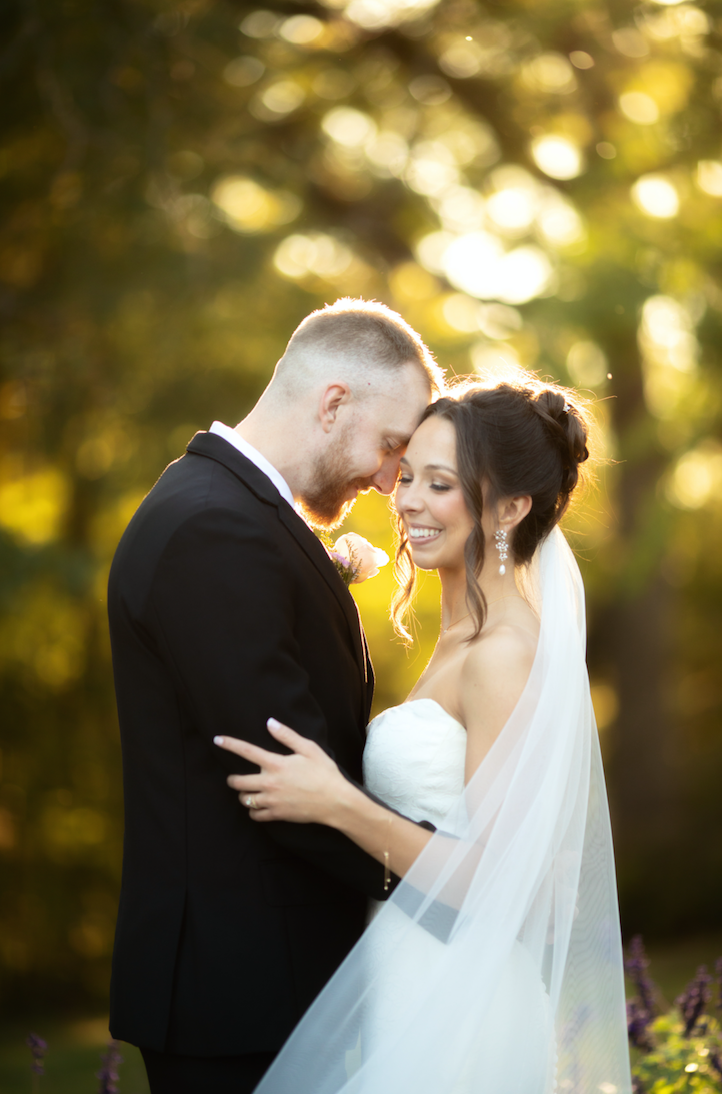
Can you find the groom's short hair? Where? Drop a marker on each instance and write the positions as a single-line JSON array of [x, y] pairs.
[[358, 334]]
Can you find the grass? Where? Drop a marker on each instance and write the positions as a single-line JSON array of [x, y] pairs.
[[75, 1046]]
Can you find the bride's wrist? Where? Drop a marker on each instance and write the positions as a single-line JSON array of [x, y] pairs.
[[339, 806]]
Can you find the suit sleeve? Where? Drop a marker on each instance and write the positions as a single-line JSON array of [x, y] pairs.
[[222, 605]]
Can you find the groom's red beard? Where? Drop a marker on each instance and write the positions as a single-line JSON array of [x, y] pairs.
[[325, 503]]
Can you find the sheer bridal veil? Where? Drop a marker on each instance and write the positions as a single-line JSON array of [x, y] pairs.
[[496, 965]]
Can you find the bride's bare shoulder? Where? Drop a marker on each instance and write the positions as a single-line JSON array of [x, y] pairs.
[[501, 657], [493, 677]]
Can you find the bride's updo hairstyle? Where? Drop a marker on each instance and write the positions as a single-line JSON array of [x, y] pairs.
[[511, 440]]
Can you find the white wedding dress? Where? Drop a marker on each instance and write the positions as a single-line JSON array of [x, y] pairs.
[[414, 761]]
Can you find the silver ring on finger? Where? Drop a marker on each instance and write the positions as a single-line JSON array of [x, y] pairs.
[[250, 802]]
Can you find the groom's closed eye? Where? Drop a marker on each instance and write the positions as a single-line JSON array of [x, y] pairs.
[[395, 444]]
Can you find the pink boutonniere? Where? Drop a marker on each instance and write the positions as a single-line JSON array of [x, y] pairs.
[[356, 559]]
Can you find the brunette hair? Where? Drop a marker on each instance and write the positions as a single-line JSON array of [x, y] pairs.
[[512, 439]]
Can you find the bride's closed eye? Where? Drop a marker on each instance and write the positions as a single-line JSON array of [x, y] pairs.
[[440, 487]]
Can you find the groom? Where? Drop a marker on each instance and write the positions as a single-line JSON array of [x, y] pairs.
[[225, 609]]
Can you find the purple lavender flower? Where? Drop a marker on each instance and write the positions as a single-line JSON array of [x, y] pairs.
[[640, 1009], [635, 966], [108, 1074], [345, 567], [638, 1020], [693, 999], [716, 1061], [38, 1048], [718, 970]]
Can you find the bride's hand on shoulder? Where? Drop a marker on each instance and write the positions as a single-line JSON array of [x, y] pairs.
[[302, 787]]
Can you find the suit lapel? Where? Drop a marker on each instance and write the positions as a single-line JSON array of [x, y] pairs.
[[319, 556], [218, 449]]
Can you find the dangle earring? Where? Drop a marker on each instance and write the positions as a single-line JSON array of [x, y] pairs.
[[500, 539]]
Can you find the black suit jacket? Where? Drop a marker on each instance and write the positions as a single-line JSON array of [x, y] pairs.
[[225, 610]]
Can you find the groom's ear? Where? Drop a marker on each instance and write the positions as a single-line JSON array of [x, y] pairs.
[[334, 396]]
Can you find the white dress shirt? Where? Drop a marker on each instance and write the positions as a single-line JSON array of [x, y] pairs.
[[255, 457]]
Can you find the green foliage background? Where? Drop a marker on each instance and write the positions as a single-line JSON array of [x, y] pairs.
[[679, 1064], [181, 182]]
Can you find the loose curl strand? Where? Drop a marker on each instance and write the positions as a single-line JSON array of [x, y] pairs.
[[405, 575]]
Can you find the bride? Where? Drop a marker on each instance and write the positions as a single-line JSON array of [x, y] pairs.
[[495, 965]]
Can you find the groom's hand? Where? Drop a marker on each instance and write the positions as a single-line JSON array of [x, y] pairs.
[[302, 787]]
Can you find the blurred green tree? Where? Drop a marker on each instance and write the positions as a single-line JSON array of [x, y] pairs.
[[532, 184]]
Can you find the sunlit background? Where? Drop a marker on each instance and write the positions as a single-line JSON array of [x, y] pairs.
[[532, 183]]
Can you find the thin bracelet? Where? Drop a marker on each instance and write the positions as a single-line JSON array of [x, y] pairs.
[[387, 869]]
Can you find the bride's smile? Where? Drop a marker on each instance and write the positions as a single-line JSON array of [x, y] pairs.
[[430, 500]]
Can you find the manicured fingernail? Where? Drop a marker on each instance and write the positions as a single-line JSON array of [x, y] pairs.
[[217, 740], [273, 724]]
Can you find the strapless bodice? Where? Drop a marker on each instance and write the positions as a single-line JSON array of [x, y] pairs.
[[414, 759]]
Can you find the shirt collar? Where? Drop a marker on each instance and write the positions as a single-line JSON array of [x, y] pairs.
[[255, 457]]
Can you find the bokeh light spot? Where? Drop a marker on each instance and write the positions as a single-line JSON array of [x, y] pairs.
[[630, 42], [248, 207], [259, 24], [461, 312], [471, 264], [375, 14], [462, 59], [559, 222], [670, 352], [656, 196], [411, 282], [587, 364], [513, 209], [301, 30], [32, 506], [525, 273], [697, 477], [243, 71], [430, 90], [639, 107], [316, 253], [495, 363], [557, 157], [550, 72], [461, 209], [387, 153], [278, 100], [348, 127], [431, 250], [498, 321], [667, 326], [431, 169], [709, 177], [476, 264]]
